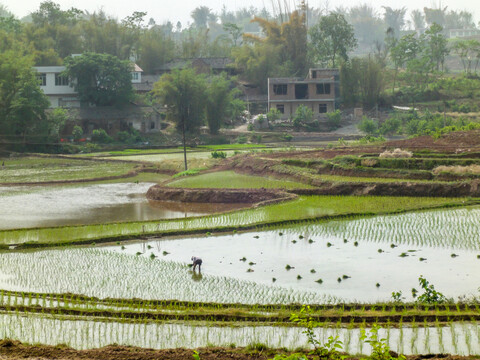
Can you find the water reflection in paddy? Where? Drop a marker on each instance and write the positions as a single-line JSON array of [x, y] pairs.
[[347, 271], [43, 206]]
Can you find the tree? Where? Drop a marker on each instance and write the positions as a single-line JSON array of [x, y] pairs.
[[435, 16], [183, 94], [289, 39], [201, 16], [235, 32], [332, 38], [156, 49], [436, 42], [402, 51], [469, 52], [418, 20], [394, 19], [219, 98], [361, 81], [22, 103], [367, 25], [101, 79]]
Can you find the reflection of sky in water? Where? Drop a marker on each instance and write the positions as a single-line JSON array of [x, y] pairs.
[[366, 266], [38, 206]]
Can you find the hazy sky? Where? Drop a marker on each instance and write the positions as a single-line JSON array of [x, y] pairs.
[[179, 10]]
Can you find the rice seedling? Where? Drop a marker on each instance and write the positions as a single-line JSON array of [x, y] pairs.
[[303, 207]]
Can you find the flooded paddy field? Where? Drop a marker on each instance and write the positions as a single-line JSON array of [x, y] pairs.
[[44, 206], [455, 338], [361, 260]]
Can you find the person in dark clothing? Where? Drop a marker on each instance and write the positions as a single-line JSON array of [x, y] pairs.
[[197, 261]]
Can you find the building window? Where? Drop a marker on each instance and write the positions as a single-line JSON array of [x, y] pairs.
[[301, 91], [314, 74], [135, 76], [280, 89], [152, 125], [61, 80], [322, 108], [323, 89], [281, 108], [42, 79]]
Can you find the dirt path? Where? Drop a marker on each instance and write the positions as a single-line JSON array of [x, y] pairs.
[[11, 349]]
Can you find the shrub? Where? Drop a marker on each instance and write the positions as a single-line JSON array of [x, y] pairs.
[[303, 116], [77, 132], [273, 115], [250, 127], [287, 137], [368, 126], [430, 295], [392, 125], [219, 154], [242, 139], [333, 120], [100, 136]]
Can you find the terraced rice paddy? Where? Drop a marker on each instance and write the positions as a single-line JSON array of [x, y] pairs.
[[52, 169], [43, 206], [456, 338], [344, 254], [304, 207], [232, 180]]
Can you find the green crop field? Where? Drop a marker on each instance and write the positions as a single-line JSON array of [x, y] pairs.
[[232, 180], [35, 169]]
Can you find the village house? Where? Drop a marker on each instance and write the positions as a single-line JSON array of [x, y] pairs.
[[319, 92], [61, 93], [59, 89]]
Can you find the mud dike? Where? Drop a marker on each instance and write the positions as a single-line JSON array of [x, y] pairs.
[[230, 196]]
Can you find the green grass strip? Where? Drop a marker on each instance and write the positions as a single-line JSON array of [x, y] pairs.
[[232, 180], [302, 208], [356, 179]]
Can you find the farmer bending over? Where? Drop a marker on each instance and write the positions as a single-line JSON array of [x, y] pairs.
[[197, 261]]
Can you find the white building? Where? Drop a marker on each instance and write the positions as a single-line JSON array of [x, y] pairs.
[[59, 89]]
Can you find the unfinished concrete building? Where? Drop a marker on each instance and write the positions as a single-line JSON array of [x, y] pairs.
[[319, 91]]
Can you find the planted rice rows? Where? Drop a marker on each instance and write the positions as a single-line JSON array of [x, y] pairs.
[[105, 274], [304, 207], [453, 228], [461, 338]]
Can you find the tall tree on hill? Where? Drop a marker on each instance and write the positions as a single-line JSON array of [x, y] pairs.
[[332, 38], [183, 94], [394, 19], [282, 51]]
